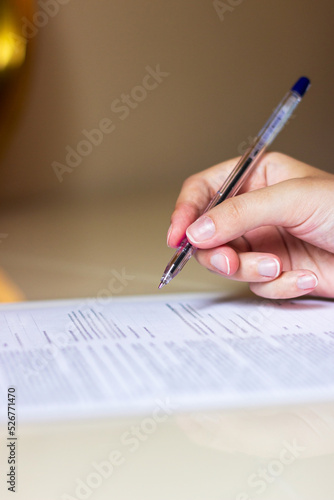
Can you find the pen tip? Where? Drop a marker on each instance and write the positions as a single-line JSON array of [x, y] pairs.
[[161, 285]]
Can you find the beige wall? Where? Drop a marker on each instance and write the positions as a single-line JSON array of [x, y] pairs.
[[224, 78]]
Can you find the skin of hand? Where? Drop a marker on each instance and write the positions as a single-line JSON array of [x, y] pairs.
[[277, 233]]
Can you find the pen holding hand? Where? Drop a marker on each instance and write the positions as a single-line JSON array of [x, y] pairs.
[[277, 234], [242, 170]]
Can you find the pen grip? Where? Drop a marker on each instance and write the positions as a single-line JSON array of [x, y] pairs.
[[236, 178]]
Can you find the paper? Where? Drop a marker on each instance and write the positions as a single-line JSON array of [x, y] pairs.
[[98, 358]]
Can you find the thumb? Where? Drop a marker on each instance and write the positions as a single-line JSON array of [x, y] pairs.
[[286, 204]]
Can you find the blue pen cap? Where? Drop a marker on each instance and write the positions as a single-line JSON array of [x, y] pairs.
[[301, 86]]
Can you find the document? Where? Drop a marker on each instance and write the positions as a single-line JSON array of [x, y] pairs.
[[115, 357]]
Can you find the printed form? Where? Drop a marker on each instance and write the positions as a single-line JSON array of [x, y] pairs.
[[118, 357]]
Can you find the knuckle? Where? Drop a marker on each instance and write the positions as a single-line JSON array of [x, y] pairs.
[[234, 210], [190, 182], [277, 159]]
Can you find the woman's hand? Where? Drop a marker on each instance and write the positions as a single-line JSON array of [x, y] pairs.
[[277, 233]]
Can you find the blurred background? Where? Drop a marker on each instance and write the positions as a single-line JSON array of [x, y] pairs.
[[107, 106]]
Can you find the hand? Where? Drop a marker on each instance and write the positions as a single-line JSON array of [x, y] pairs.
[[277, 233]]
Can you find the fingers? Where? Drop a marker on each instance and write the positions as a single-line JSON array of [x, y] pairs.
[[288, 204], [194, 197], [198, 189], [242, 266], [283, 194], [262, 270], [289, 285]]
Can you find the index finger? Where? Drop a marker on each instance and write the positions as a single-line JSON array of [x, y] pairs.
[[196, 192]]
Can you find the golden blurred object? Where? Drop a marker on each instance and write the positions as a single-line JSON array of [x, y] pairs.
[[15, 51], [12, 46], [9, 291]]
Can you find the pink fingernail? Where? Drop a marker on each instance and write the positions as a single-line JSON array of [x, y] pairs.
[[268, 267], [221, 262], [307, 281], [201, 230]]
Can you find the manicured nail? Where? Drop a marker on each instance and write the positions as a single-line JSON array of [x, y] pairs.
[[221, 262], [268, 267], [169, 233], [201, 230], [307, 281]]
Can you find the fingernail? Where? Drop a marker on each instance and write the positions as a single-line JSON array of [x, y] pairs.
[[268, 267], [169, 233], [307, 281], [221, 262], [201, 230]]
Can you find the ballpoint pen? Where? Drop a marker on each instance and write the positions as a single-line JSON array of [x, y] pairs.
[[243, 168]]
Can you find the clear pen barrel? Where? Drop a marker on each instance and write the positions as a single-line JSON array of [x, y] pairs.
[[278, 119]]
